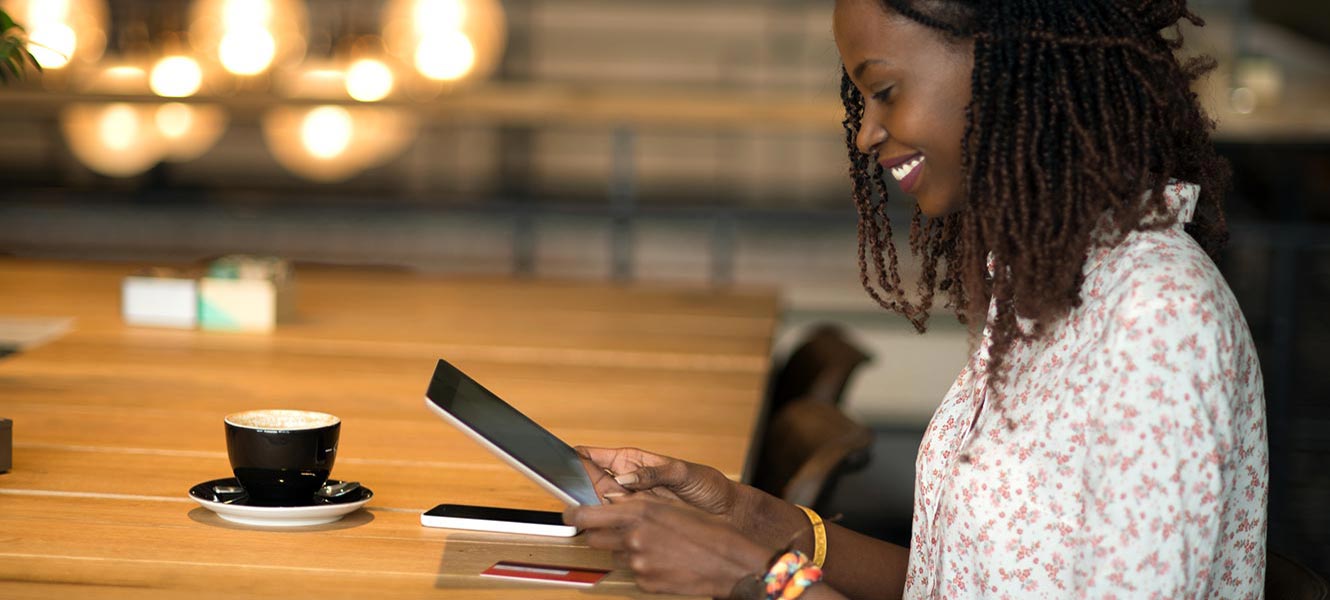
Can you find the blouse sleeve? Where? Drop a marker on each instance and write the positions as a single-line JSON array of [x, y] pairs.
[[1157, 441]]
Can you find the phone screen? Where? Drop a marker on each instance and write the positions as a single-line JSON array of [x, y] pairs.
[[511, 431], [490, 513]]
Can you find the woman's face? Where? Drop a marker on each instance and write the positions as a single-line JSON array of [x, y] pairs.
[[915, 84]]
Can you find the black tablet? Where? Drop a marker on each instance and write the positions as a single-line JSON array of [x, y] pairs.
[[509, 434]]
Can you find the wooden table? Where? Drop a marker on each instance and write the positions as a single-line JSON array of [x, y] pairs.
[[113, 424]]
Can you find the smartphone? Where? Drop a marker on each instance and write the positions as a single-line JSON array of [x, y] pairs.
[[501, 520]]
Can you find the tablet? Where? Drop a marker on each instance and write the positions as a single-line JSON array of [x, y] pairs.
[[510, 435]]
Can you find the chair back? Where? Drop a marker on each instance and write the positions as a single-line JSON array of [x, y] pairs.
[[819, 368], [809, 445], [1287, 579]]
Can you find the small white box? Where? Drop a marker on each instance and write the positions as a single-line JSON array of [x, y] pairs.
[[160, 301], [243, 304]]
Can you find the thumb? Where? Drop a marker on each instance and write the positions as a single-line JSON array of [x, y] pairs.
[[671, 474]]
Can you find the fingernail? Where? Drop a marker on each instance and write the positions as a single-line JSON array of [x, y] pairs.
[[612, 496], [627, 479]]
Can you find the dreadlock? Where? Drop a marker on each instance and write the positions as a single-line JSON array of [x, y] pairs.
[[1080, 114]]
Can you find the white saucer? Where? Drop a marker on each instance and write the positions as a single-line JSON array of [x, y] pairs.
[[233, 507]]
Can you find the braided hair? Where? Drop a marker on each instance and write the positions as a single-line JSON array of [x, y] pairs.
[[1080, 114]]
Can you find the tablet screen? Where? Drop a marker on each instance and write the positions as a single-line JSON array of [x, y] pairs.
[[510, 431]]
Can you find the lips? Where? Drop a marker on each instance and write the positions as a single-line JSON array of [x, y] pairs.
[[905, 169]]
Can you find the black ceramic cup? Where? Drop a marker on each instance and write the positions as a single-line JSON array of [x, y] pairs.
[[281, 457]]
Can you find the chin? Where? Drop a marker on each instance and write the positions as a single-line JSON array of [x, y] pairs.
[[934, 207]]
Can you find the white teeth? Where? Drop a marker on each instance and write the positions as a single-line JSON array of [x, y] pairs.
[[900, 172]]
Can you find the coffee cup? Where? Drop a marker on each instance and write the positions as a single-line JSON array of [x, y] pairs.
[[281, 457]]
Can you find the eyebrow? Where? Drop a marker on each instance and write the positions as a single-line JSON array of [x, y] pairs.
[[859, 69]]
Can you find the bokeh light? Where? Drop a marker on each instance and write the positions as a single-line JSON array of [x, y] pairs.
[[445, 40], [369, 80], [119, 127], [174, 120], [53, 44], [242, 14], [189, 130], [326, 131], [445, 56], [176, 77], [438, 15], [249, 37], [247, 51], [62, 31], [117, 139]]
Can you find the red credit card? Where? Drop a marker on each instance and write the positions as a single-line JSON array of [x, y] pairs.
[[577, 576]]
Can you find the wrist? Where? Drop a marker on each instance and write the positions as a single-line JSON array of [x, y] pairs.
[[750, 562], [764, 517]]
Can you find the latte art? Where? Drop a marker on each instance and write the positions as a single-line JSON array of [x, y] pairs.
[[281, 419]]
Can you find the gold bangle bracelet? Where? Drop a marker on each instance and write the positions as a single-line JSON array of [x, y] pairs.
[[819, 536]]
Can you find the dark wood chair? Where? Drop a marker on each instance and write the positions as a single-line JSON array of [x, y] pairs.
[[808, 445], [819, 368], [1287, 579]]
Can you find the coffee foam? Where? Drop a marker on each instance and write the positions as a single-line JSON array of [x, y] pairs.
[[281, 419]]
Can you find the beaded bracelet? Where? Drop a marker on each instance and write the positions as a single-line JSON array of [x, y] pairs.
[[791, 574], [800, 581]]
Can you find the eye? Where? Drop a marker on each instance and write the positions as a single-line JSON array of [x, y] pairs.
[[885, 94]]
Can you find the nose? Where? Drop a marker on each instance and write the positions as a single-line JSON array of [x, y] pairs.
[[871, 134]]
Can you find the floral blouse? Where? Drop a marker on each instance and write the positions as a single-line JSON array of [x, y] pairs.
[[1128, 458]]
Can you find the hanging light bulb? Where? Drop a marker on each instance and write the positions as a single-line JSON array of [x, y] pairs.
[[53, 44], [122, 139], [176, 76], [446, 40], [369, 80], [326, 131], [62, 31], [116, 139], [249, 37], [247, 51], [332, 143], [239, 14], [445, 56], [438, 15], [188, 131], [174, 120], [327, 142]]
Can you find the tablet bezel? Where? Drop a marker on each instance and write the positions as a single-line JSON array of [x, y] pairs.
[[494, 448]]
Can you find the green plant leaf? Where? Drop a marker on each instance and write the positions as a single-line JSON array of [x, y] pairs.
[[9, 57], [8, 64], [33, 59], [14, 64], [7, 23]]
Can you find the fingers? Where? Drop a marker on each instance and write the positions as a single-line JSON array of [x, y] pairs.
[[606, 539], [671, 474], [601, 478], [669, 547], [601, 457], [623, 511]]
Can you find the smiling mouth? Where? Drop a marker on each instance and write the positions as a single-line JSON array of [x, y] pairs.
[[904, 170]]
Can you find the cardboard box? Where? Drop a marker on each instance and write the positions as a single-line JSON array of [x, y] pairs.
[[6, 445], [158, 300]]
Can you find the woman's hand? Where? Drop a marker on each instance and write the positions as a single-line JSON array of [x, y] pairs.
[[671, 547], [633, 470]]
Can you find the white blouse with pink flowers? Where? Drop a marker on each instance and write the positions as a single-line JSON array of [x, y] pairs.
[[1128, 456]]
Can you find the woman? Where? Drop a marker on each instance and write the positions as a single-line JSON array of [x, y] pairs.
[[1107, 438]]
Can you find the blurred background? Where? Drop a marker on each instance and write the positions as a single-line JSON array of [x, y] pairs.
[[692, 141]]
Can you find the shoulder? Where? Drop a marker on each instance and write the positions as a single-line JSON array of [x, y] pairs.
[[1165, 317], [1161, 283]]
